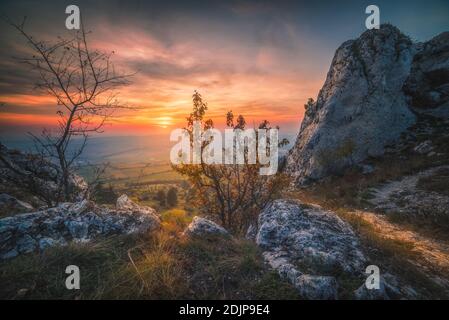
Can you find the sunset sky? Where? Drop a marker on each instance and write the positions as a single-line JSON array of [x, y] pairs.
[[260, 59]]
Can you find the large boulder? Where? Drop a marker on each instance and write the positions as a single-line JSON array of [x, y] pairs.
[[79, 222], [204, 227], [306, 245], [360, 109]]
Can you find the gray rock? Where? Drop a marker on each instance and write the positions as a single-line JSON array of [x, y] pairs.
[[81, 206], [78, 222], [360, 109], [203, 227], [78, 229], [305, 244], [26, 244], [125, 204], [45, 243], [32, 171], [10, 205], [428, 83], [367, 169], [363, 293], [251, 233], [389, 288], [310, 235], [424, 147], [317, 287]]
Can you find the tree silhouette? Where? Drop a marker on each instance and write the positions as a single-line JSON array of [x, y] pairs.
[[84, 83]]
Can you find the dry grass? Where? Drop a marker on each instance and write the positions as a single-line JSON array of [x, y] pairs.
[[230, 268], [395, 255], [174, 221], [163, 265]]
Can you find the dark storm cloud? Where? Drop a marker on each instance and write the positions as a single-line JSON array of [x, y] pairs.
[[16, 78]]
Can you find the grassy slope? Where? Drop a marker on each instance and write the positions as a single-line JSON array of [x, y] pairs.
[[163, 265]]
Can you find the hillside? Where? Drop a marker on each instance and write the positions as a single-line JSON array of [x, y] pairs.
[[369, 186]]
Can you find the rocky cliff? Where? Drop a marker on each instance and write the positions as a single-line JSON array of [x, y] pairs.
[[365, 103], [427, 86]]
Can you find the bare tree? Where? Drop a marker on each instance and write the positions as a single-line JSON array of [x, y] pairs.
[[84, 84]]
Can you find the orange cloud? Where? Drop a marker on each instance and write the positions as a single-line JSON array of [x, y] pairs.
[[260, 82], [26, 119], [27, 99]]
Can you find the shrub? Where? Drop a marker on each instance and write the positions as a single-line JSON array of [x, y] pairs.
[[160, 197], [172, 197], [233, 194]]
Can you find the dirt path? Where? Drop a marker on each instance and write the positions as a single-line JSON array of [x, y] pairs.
[[404, 196], [427, 254], [433, 255]]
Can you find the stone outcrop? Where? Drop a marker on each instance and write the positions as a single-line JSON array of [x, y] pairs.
[[10, 205], [428, 83], [79, 222], [360, 109], [23, 172], [204, 227], [306, 244]]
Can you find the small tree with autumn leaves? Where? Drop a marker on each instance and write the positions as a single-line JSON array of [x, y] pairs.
[[232, 194]]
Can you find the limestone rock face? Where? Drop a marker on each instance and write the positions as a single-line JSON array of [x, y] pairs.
[[79, 222], [24, 171], [360, 109], [428, 82], [306, 244], [203, 227]]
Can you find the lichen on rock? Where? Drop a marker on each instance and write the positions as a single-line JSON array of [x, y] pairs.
[[306, 244], [72, 222]]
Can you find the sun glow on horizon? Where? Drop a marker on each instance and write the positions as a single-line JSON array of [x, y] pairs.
[[259, 82]]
